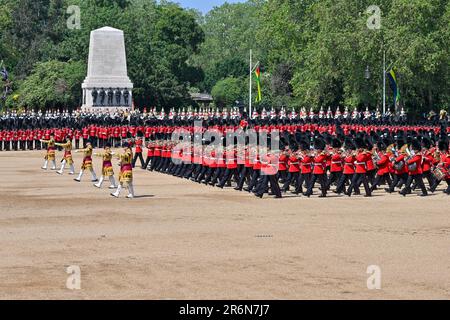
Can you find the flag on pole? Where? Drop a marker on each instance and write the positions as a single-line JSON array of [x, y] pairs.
[[258, 83], [394, 86]]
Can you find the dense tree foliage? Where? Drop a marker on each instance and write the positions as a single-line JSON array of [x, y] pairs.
[[53, 84], [315, 52], [228, 91], [160, 39]]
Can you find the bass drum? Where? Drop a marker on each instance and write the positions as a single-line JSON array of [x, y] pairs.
[[439, 173]]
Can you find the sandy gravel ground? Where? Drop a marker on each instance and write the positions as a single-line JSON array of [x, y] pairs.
[[181, 240]]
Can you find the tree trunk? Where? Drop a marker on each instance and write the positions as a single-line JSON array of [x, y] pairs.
[[430, 99]]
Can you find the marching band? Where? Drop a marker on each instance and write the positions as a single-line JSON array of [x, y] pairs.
[[337, 154]]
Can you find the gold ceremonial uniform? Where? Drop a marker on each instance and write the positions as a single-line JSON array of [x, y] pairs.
[[87, 160], [126, 169], [67, 152], [107, 168]]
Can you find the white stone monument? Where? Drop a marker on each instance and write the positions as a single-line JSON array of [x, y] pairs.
[[107, 85]]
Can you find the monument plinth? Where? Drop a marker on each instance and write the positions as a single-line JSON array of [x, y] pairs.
[[107, 84]]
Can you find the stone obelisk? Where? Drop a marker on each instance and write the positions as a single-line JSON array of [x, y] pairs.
[[107, 85]]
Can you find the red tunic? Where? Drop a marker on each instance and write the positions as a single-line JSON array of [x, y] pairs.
[[404, 169], [336, 163], [320, 164], [306, 164], [361, 162], [294, 164], [283, 162], [416, 159], [349, 165]]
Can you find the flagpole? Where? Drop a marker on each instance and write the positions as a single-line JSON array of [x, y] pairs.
[[250, 87]]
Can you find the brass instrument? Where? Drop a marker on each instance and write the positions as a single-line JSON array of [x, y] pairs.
[[410, 155], [437, 155], [404, 149], [376, 157], [391, 148]]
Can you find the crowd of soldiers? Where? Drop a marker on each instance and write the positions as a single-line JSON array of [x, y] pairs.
[[339, 152], [338, 158], [23, 131]]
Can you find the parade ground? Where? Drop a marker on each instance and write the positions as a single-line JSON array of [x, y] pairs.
[[181, 240]]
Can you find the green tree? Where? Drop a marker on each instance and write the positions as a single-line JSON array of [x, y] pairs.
[[230, 33], [53, 84]]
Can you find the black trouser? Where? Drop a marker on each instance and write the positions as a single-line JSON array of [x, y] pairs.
[[38, 145], [334, 178], [155, 162], [148, 161], [166, 164], [430, 178], [161, 164], [399, 180], [190, 169], [197, 171], [305, 178], [179, 169], [343, 180], [202, 173], [435, 185], [263, 187], [141, 158], [1, 145], [357, 179], [418, 180], [216, 176], [447, 191], [283, 175], [183, 169], [379, 179], [322, 179], [371, 176], [226, 176], [256, 174], [7, 145], [244, 174], [292, 177], [209, 173]]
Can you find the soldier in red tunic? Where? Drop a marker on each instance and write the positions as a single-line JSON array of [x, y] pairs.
[[247, 166], [306, 162], [383, 174], [428, 161], [414, 165], [150, 154], [230, 157], [336, 165], [362, 157], [138, 143], [269, 168], [400, 170], [443, 162], [319, 170], [349, 157], [294, 169]]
